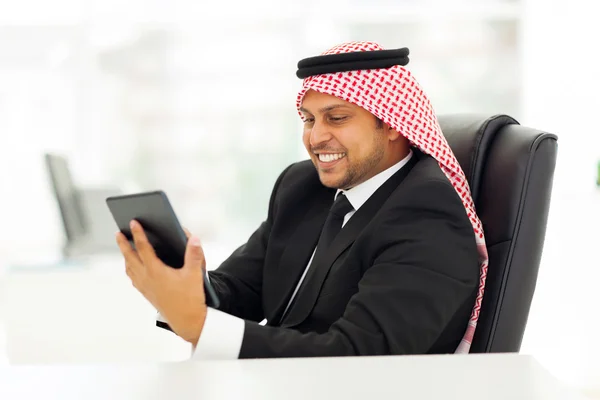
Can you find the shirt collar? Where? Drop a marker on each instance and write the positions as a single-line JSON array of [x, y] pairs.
[[358, 195]]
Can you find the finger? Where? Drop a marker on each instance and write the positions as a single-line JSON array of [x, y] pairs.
[[131, 256], [194, 255], [133, 264], [187, 233], [131, 274], [142, 245]]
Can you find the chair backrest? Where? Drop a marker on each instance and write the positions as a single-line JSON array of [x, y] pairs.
[[510, 169]]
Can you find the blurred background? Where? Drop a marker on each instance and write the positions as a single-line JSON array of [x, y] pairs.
[[197, 100]]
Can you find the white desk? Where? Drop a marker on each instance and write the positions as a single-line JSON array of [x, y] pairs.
[[478, 377]]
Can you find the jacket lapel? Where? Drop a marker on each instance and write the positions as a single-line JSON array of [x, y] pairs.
[[321, 264]]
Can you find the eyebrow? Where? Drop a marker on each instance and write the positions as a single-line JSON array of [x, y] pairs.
[[326, 108]]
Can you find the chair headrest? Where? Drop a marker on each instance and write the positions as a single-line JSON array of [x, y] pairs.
[[470, 137]]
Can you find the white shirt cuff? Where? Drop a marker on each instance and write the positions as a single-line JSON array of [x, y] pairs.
[[221, 337]]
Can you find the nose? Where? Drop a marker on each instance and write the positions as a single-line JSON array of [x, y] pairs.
[[319, 134]]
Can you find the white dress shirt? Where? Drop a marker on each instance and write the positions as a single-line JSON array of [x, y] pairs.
[[223, 333]]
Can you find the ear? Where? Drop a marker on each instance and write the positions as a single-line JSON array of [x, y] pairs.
[[392, 134]]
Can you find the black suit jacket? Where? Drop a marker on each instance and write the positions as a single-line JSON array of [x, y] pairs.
[[400, 278]]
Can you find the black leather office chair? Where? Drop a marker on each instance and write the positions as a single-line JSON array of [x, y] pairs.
[[510, 169]]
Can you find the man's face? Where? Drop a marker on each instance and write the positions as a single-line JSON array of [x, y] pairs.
[[342, 139]]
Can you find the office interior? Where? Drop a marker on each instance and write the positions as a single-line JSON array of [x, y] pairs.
[[106, 97]]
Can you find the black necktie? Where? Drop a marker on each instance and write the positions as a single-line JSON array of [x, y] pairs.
[[333, 224]]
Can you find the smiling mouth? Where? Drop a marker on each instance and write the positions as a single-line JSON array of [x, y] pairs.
[[330, 157]]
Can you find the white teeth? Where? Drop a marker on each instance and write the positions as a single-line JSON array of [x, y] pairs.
[[331, 157]]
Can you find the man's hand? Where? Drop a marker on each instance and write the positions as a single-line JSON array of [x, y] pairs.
[[178, 294]]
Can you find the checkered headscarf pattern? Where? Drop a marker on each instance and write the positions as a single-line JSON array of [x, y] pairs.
[[394, 96]]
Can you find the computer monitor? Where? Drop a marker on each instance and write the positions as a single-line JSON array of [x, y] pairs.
[[88, 225], [68, 197]]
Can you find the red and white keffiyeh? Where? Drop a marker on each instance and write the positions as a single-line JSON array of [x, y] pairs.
[[395, 97]]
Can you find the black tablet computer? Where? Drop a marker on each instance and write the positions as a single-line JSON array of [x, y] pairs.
[[156, 215]]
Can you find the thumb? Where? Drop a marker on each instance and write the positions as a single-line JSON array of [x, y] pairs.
[[194, 255]]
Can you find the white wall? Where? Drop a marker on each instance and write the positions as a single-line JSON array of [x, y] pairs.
[[561, 87]]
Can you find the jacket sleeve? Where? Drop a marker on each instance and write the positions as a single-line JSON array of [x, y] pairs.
[[238, 280], [423, 267]]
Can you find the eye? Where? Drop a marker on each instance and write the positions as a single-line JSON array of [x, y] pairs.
[[308, 120], [338, 119]]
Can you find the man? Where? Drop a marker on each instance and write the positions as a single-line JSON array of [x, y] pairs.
[[371, 247]]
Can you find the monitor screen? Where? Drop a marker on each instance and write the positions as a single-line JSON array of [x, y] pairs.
[[67, 197]]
